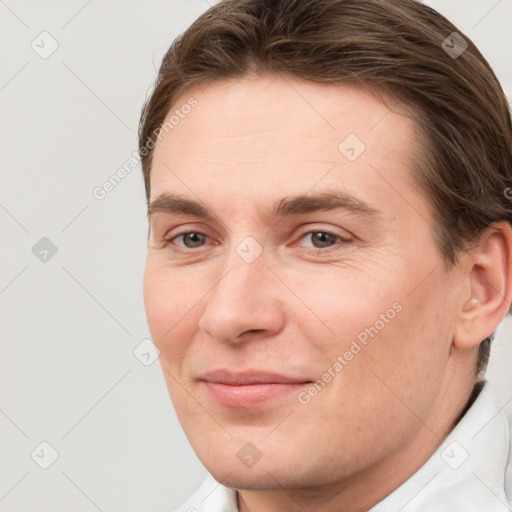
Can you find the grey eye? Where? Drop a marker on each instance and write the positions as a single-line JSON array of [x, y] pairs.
[[192, 239], [322, 239]]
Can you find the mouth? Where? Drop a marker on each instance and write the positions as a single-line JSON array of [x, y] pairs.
[[244, 390]]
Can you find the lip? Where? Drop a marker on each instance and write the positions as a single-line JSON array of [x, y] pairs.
[[249, 389]]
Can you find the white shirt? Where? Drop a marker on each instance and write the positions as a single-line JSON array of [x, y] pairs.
[[470, 472]]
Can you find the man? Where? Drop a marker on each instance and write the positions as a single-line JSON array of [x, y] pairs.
[[330, 252]]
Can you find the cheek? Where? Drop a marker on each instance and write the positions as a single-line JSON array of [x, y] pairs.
[[171, 300], [377, 326], [339, 304], [172, 306], [399, 364]]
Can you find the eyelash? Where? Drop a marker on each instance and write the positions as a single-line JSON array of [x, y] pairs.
[[342, 240]]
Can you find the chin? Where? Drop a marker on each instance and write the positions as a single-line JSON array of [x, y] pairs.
[[232, 467], [242, 481]]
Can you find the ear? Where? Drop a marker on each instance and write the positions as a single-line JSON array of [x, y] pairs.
[[488, 269]]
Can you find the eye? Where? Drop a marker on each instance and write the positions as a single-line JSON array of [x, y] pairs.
[[190, 239], [323, 239]]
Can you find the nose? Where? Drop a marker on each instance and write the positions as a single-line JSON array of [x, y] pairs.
[[244, 303]]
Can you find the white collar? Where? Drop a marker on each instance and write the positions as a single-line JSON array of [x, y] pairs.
[[470, 471]]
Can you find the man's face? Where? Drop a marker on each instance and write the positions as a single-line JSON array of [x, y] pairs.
[[302, 346]]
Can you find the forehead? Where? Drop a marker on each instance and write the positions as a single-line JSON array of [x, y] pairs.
[[256, 136], [276, 103]]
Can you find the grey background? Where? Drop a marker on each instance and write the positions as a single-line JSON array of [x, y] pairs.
[[70, 324]]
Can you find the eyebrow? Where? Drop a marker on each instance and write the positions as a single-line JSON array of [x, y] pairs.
[[295, 205], [330, 200], [171, 203]]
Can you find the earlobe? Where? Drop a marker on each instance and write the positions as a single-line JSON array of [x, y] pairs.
[[490, 282]]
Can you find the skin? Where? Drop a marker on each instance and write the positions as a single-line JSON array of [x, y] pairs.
[[300, 304]]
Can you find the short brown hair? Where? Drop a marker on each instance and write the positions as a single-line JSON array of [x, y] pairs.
[[399, 47]]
